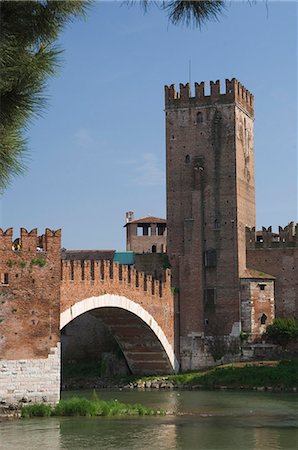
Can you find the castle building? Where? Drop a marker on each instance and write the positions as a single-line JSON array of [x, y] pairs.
[[225, 277], [219, 271], [145, 235]]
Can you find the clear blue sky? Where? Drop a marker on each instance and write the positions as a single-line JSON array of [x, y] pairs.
[[99, 149]]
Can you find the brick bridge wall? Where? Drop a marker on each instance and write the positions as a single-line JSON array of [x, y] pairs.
[[35, 285], [124, 297]]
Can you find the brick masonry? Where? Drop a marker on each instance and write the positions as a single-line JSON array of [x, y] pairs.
[[138, 294], [210, 200], [30, 316]]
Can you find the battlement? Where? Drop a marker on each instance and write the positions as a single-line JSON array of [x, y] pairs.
[[234, 92], [266, 238], [29, 241], [105, 274]]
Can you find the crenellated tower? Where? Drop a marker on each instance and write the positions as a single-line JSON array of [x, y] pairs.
[[210, 201]]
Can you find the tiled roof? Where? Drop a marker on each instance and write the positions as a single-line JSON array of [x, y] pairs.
[[148, 219], [252, 273], [89, 255]]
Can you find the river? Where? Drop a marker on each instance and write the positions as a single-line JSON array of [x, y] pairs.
[[205, 420]]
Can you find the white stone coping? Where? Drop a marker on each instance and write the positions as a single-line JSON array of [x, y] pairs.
[[118, 301]]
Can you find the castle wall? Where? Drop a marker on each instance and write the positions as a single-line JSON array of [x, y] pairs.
[[152, 264], [282, 263], [277, 254], [30, 314]]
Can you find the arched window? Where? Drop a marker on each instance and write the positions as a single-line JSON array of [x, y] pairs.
[[187, 159], [263, 319], [153, 249], [199, 118]]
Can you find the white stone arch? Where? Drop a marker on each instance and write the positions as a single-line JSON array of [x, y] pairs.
[[118, 301]]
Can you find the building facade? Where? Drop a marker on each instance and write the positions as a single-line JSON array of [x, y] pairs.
[[145, 235], [221, 283]]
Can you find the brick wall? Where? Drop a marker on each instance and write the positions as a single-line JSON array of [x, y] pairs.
[[30, 316], [282, 263], [210, 199]]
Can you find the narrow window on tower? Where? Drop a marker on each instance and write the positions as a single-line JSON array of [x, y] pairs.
[[216, 224], [199, 118], [210, 258], [4, 278], [209, 299], [263, 319], [187, 159]]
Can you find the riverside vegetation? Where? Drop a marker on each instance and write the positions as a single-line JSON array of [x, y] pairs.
[[270, 375], [275, 375], [79, 406]]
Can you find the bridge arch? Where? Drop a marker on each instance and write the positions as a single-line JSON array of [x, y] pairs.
[[143, 342]]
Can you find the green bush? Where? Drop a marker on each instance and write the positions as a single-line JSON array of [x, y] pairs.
[[40, 262], [39, 410], [10, 263], [79, 406], [75, 406], [282, 331]]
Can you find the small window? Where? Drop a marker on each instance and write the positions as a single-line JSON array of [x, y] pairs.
[[263, 319], [262, 286], [153, 249], [4, 278], [187, 159], [210, 258], [210, 297], [199, 118], [146, 231], [160, 230], [216, 224]]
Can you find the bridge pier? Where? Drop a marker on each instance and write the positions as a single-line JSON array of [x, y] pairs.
[[31, 380]]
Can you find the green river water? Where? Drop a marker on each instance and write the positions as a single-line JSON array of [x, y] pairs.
[[205, 420]]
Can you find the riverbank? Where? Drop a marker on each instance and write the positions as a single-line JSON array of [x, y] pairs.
[[262, 375]]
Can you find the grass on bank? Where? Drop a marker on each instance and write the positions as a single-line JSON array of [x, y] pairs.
[[275, 374], [80, 406]]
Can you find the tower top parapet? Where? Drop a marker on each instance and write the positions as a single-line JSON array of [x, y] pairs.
[[235, 92]]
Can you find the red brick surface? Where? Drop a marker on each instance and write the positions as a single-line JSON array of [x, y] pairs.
[[30, 301]]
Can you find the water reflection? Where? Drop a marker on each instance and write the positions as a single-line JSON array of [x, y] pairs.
[[208, 421]]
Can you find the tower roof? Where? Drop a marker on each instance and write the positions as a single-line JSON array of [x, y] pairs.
[[148, 219]]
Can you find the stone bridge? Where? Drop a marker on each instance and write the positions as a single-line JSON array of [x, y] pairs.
[[138, 310]]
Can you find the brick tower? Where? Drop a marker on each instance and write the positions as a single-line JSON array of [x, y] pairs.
[[210, 201]]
